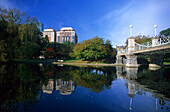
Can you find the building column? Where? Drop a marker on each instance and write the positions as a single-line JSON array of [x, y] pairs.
[[131, 73], [131, 60], [131, 44], [119, 71], [155, 41], [156, 61], [124, 60], [119, 60]]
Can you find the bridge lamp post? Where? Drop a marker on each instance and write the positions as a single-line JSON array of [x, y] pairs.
[[131, 30], [155, 26]]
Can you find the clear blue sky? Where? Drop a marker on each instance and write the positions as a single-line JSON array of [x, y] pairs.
[[109, 19]]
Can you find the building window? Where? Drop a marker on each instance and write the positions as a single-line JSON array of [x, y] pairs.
[[63, 39], [73, 37], [68, 38], [58, 39]]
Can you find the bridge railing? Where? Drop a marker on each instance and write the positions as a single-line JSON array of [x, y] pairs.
[[124, 50], [142, 46], [164, 40], [160, 41]]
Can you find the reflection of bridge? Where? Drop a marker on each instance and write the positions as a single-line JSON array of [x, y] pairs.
[[130, 75], [155, 49]]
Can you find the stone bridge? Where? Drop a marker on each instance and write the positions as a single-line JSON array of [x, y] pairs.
[[155, 49]]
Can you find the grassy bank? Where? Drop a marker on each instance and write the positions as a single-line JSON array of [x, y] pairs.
[[166, 63], [81, 61]]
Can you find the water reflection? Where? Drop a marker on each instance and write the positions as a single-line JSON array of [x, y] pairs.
[[49, 88], [146, 82], [65, 87], [23, 85]]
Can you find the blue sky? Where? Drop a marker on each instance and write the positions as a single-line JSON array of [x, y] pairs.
[[109, 19]]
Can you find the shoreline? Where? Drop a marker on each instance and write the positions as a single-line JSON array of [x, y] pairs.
[[87, 64], [54, 61]]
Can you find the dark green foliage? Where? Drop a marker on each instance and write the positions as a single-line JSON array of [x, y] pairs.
[[29, 50], [3, 52], [15, 34], [165, 32], [63, 50]]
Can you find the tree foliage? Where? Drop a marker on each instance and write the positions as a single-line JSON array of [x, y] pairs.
[[165, 32], [50, 52], [29, 50], [93, 49], [16, 32], [61, 50], [140, 39]]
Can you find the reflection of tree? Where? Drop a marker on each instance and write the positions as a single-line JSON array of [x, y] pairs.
[[94, 79], [19, 84], [49, 69], [155, 80]]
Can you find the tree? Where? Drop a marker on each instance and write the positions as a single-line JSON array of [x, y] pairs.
[[165, 32], [93, 49], [16, 34], [3, 53], [140, 39], [29, 50], [29, 31], [9, 23], [50, 52]]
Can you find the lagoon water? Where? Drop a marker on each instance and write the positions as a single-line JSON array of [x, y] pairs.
[[58, 88]]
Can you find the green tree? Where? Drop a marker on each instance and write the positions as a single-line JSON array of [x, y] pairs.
[[29, 50], [93, 49], [29, 31], [62, 50], [15, 33], [3, 53], [9, 23], [165, 32]]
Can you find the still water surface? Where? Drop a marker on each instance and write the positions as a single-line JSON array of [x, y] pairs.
[[56, 88]]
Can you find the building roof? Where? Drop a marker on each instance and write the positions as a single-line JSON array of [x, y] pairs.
[[49, 29], [66, 29]]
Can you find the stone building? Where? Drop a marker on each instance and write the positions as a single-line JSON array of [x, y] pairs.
[[67, 34], [50, 33]]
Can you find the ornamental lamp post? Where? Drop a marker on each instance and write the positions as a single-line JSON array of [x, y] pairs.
[[155, 26], [130, 30]]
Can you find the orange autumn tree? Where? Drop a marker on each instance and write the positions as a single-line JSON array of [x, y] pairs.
[[140, 39], [50, 52]]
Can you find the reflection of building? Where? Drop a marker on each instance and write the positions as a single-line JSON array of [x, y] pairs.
[[49, 87], [50, 33], [66, 34], [65, 87]]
